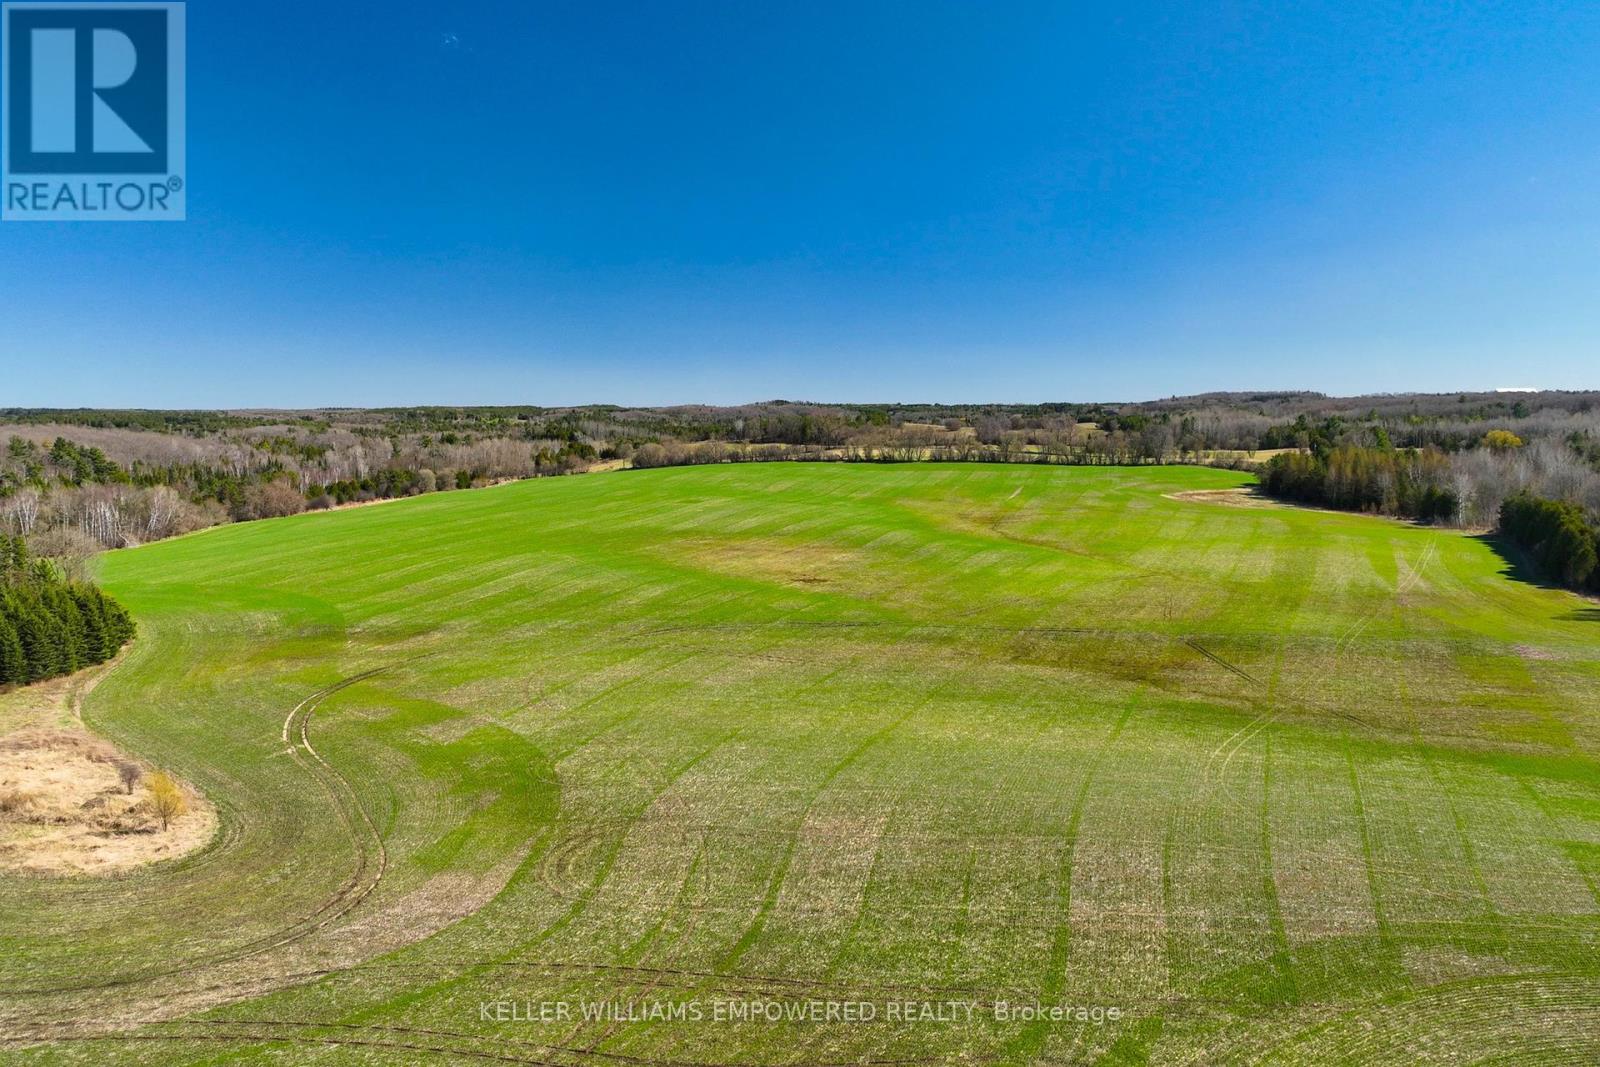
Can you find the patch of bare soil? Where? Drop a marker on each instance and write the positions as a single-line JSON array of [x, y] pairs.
[[66, 808], [775, 560], [1241, 497], [1435, 966]]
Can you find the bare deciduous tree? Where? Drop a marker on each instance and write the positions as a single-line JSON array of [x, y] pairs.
[[164, 511], [20, 511]]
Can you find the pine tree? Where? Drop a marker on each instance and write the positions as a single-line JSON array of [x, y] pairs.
[[41, 638], [50, 626], [65, 611], [96, 642], [13, 664]]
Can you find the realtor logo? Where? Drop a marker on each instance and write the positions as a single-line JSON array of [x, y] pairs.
[[93, 112]]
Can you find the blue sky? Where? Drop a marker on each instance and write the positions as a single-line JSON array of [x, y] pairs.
[[530, 202]]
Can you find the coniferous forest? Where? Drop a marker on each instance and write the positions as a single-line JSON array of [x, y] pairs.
[[1559, 537], [50, 625]]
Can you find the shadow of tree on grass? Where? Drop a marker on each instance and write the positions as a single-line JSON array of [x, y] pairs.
[[1519, 568]]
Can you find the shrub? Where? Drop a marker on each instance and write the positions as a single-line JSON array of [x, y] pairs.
[[128, 773], [166, 798], [270, 500]]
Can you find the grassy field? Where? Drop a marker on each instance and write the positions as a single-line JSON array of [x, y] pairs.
[[1267, 785]]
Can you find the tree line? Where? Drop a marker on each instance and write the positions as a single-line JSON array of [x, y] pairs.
[[1412, 484], [79, 481], [50, 625], [1543, 499], [1103, 450]]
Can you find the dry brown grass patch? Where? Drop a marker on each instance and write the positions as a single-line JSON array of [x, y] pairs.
[[778, 560], [1241, 497], [65, 810]]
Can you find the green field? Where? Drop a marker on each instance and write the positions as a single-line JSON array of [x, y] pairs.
[[1276, 785]]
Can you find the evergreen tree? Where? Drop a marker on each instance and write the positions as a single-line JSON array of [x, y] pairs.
[[1557, 535], [94, 624], [50, 626], [13, 664]]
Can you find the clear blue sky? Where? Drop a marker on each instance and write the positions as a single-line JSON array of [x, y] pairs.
[[550, 203]]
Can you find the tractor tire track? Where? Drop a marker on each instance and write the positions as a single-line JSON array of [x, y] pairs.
[[1229, 748], [370, 855]]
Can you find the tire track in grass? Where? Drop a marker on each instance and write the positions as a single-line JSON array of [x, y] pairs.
[[1283, 960], [237, 1039], [1230, 747], [455, 971], [1169, 902], [1214, 658], [1557, 832], [655, 978], [682, 901], [600, 877], [1221, 759], [373, 852], [1028, 1044], [1477, 998], [757, 924], [565, 853], [639, 948], [965, 841], [964, 919], [583, 900], [1373, 870], [355, 889], [413, 1039], [1380, 913], [749, 985], [1170, 1006], [1500, 913], [555, 865], [913, 629], [866, 892], [1215, 777], [1493, 918], [539, 698], [560, 756], [534, 1046], [754, 929], [1341, 649]]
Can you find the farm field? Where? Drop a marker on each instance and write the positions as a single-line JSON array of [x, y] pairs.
[[1245, 784]]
